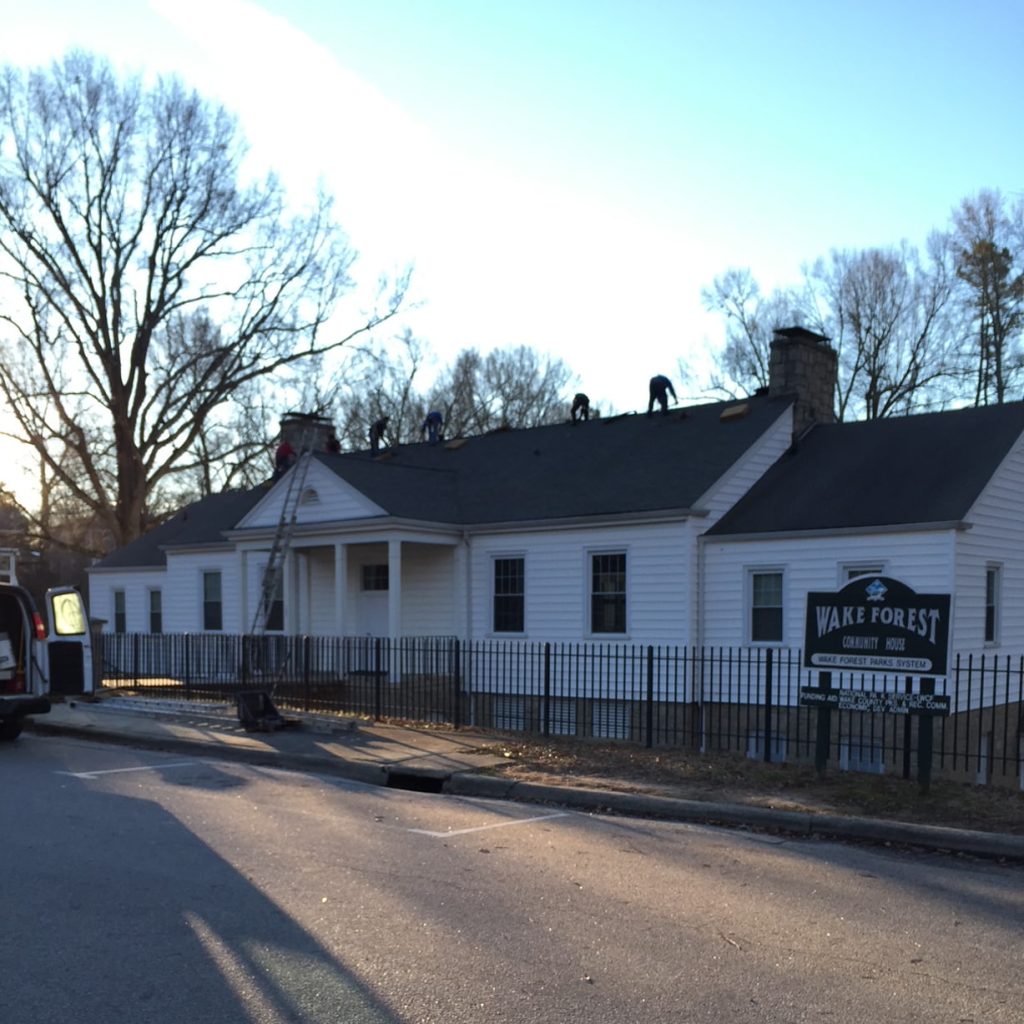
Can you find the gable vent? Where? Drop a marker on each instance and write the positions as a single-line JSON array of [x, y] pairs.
[[309, 496]]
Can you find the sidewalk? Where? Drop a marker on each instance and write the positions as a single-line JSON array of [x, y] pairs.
[[445, 761]]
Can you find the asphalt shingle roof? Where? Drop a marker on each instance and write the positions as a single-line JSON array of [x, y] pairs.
[[890, 472], [202, 522], [615, 465], [927, 468], [610, 466]]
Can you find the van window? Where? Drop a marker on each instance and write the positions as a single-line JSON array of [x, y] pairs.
[[68, 619]]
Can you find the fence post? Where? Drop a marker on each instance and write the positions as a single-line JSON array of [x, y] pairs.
[[378, 678], [823, 739], [456, 684], [908, 687], [188, 666], [769, 700], [650, 696], [136, 638], [305, 673], [924, 742], [546, 709]]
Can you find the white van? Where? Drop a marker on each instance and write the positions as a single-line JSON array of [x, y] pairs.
[[34, 662]]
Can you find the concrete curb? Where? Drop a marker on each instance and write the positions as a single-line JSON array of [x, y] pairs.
[[994, 845], [989, 845]]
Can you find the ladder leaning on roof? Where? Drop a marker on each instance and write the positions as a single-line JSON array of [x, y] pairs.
[[272, 574]]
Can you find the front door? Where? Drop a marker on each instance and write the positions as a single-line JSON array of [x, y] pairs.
[[373, 600]]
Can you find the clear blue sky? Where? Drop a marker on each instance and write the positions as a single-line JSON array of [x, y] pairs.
[[570, 174]]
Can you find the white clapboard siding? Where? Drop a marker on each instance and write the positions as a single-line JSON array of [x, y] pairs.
[[136, 585], [996, 538], [183, 593], [922, 560], [558, 578], [748, 469]]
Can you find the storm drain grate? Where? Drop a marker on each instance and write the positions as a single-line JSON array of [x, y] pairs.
[[416, 782]]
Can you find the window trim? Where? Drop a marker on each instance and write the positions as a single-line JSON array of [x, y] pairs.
[[203, 573], [158, 592], [994, 572], [374, 573], [591, 555], [750, 573], [515, 556], [861, 567]]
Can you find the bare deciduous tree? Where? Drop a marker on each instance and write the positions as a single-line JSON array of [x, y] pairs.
[[506, 388], [886, 316], [750, 321], [145, 292], [988, 241], [515, 387]]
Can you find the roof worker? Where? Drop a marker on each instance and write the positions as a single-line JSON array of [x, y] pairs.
[[284, 459], [580, 407], [333, 445], [432, 426], [661, 388], [377, 431]]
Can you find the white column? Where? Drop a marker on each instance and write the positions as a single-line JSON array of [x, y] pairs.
[[303, 589], [290, 592], [243, 591], [394, 603], [341, 624]]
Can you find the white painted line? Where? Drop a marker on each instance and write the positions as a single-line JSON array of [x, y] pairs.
[[117, 771], [484, 828]]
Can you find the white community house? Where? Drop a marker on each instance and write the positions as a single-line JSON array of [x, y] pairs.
[[707, 526]]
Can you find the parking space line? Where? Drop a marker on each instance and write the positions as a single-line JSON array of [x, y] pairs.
[[484, 828], [139, 768]]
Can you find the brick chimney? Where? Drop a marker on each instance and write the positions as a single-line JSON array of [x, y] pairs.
[[804, 364], [297, 427]]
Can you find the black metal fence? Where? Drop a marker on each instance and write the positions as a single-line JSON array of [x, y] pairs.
[[727, 700]]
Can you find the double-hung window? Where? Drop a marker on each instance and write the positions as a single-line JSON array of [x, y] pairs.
[[120, 612], [156, 611], [375, 577], [213, 601], [766, 606], [993, 580], [608, 592], [509, 595]]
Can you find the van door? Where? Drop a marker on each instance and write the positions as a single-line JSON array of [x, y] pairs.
[[70, 643]]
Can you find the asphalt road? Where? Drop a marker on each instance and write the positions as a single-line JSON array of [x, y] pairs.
[[141, 887]]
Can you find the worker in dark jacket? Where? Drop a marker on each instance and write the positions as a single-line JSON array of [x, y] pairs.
[[377, 431], [661, 388], [580, 407]]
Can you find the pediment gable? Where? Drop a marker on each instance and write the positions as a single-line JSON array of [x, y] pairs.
[[325, 498]]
